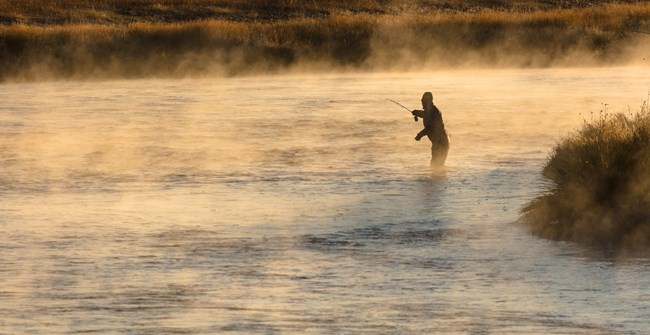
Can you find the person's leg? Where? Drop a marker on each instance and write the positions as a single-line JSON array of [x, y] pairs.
[[439, 150], [438, 155]]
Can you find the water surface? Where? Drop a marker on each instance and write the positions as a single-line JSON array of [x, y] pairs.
[[301, 204]]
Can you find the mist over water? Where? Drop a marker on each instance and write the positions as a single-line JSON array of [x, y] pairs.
[[301, 204]]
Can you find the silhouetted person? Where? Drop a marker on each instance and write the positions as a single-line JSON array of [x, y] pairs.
[[434, 129]]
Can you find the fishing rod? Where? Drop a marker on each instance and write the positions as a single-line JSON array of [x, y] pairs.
[[415, 117]]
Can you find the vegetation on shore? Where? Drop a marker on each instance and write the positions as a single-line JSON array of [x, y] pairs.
[[83, 39], [598, 185]]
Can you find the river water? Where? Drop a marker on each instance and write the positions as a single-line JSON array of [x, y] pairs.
[[301, 204]]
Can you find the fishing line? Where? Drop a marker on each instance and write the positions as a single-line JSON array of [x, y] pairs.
[[361, 86]]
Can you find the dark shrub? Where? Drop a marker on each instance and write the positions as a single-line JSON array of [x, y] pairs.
[[599, 185]]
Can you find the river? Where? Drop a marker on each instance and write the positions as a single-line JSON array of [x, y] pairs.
[[301, 204]]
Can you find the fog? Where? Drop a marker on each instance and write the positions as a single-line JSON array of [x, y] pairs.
[[403, 49], [56, 128]]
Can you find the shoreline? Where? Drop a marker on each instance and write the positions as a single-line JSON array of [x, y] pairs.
[[599, 35]]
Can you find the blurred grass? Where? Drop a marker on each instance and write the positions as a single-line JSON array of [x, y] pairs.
[[81, 39], [599, 185]]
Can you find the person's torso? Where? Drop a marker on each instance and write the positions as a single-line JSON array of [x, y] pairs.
[[433, 118]]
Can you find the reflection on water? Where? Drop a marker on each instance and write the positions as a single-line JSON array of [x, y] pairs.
[[300, 204]]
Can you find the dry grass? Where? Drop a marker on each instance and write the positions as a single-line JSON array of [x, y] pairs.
[[599, 185], [132, 38], [128, 11]]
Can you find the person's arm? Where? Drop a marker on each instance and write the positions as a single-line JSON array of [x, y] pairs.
[[418, 113]]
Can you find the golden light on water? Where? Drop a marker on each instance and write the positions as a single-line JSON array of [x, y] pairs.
[[299, 203]]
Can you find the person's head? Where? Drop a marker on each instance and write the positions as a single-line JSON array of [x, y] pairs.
[[427, 99]]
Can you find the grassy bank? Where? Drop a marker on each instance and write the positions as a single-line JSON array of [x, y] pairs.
[[83, 39], [599, 185]]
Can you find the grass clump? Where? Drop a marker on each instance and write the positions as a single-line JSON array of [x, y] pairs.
[[598, 185]]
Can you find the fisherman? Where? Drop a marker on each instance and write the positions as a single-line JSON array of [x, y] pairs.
[[434, 129]]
